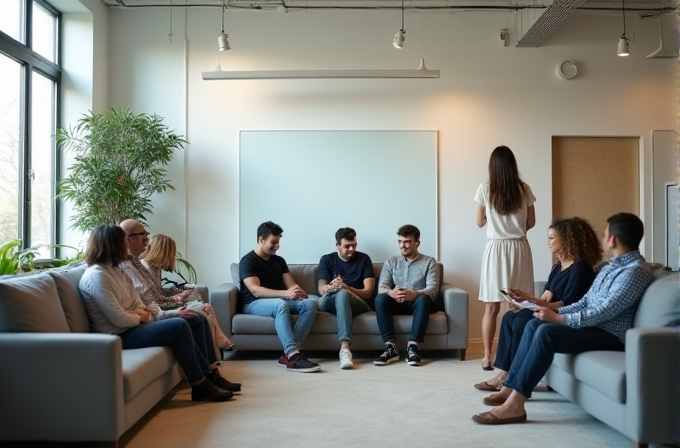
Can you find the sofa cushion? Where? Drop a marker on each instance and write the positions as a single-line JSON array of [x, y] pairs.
[[368, 324], [142, 366], [71, 300], [604, 371], [235, 278], [31, 304], [660, 304], [305, 276], [324, 322]]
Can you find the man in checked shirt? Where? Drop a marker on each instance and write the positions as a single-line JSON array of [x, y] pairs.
[[598, 321]]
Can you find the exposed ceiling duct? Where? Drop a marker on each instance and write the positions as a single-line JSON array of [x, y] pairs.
[[546, 23], [668, 42]]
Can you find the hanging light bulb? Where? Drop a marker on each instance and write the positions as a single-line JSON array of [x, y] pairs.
[[223, 38], [623, 46], [400, 36], [622, 49], [399, 39]]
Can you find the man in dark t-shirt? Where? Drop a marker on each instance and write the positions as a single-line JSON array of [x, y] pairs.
[[268, 289], [346, 281]]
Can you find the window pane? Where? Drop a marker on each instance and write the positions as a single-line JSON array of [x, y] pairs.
[[42, 160], [12, 19], [10, 144], [44, 33]]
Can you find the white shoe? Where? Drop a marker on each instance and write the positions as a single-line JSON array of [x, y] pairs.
[[346, 359]]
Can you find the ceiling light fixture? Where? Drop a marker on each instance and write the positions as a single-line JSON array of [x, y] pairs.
[[622, 49], [223, 39], [421, 72], [400, 36]]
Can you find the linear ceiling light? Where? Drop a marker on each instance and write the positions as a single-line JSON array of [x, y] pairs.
[[622, 49], [422, 72], [400, 36], [223, 38]]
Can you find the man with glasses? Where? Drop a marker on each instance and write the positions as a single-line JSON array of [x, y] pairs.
[[137, 240]]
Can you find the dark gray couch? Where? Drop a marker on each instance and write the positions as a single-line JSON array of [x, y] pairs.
[[637, 392], [58, 381], [447, 329]]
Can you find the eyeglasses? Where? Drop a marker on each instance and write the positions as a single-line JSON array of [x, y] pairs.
[[139, 234]]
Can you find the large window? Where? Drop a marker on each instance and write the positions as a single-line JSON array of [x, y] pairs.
[[29, 76]]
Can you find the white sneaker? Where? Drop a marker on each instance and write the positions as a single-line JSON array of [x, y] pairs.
[[346, 359]]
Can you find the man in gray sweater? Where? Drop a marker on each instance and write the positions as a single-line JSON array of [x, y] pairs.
[[408, 285]]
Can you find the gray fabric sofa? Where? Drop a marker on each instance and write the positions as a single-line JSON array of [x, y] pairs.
[[447, 329], [637, 392], [58, 381]]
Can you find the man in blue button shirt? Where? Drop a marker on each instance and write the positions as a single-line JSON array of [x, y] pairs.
[[598, 321]]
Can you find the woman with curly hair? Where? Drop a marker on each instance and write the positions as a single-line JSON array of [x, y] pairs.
[[575, 245]]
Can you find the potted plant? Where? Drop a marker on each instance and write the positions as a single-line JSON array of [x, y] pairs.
[[14, 260], [120, 161]]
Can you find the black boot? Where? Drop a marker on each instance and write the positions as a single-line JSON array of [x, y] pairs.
[[206, 390], [218, 380]]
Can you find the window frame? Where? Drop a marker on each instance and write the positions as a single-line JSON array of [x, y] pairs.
[[33, 62]]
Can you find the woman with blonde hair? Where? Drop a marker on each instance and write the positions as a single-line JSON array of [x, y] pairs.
[[161, 255], [577, 249], [505, 205]]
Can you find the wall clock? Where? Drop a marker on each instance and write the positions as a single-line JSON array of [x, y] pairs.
[[567, 69]]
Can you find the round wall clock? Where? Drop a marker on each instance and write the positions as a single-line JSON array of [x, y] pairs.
[[567, 69]]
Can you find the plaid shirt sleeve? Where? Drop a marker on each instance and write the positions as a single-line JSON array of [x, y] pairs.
[[625, 287]]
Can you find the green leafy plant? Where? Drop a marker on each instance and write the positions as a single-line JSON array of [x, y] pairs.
[[120, 160], [14, 260], [183, 264]]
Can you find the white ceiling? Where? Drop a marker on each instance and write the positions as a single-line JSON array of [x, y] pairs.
[[542, 16]]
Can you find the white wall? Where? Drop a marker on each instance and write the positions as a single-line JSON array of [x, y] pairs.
[[487, 95], [84, 83]]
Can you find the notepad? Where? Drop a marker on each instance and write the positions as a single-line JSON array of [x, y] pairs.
[[526, 304]]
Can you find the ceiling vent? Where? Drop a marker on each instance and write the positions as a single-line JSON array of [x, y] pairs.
[[667, 44]]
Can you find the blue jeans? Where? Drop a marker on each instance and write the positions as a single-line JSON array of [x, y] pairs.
[[174, 333], [420, 308], [510, 335], [540, 342], [281, 309], [200, 330], [345, 306]]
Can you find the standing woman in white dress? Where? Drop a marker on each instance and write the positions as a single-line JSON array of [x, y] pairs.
[[506, 205]]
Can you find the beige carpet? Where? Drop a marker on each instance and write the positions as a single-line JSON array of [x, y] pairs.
[[392, 406]]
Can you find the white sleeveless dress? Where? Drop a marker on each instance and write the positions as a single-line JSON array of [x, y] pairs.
[[507, 261]]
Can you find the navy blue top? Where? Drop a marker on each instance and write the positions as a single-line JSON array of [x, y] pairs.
[[270, 272], [353, 272], [572, 284]]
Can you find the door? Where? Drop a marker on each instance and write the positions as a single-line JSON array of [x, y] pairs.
[[595, 177]]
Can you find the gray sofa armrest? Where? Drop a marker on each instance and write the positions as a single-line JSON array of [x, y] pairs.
[[61, 387], [456, 307], [653, 384], [539, 287], [223, 300]]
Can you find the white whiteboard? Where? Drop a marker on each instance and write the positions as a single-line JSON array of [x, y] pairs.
[[311, 183], [672, 227]]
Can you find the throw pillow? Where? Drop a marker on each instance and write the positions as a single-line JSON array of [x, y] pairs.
[[31, 304]]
